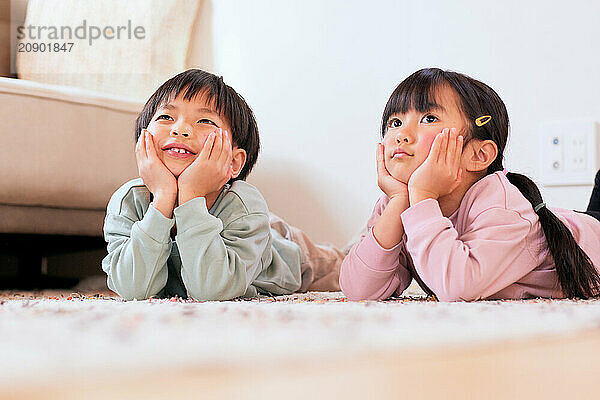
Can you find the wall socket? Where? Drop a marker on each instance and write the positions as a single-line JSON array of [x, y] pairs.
[[569, 152]]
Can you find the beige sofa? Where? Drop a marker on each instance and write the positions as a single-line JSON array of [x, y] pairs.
[[67, 146]]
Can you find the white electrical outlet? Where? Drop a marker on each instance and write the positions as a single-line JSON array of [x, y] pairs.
[[569, 152]]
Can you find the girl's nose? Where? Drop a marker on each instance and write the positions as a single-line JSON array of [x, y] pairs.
[[404, 137], [405, 134]]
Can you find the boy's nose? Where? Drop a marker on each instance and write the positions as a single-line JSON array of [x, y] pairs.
[[180, 132]]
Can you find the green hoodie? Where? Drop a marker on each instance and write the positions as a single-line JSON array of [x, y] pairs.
[[218, 254]]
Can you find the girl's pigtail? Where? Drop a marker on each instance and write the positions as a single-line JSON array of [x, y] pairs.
[[576, 274]]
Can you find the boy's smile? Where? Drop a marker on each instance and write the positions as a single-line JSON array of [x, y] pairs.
[[180, 129], [409, 136], [178, 150]]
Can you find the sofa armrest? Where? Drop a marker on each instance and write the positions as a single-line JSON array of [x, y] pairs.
[[64, 147]]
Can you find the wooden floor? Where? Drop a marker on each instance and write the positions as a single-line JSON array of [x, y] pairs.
[[564, 367]]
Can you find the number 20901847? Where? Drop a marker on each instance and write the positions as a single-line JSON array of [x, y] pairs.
[[45, 47]]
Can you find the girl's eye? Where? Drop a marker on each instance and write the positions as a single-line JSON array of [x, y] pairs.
[[206, 121], [428, 119], [164, 116], [394, 123]]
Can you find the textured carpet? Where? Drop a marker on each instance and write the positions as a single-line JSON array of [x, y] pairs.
[[46, 335]]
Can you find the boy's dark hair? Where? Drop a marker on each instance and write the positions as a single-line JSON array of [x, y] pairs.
[[577, 275], [227, 102]]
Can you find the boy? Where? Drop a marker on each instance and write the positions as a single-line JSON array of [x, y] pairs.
[[190, 226]]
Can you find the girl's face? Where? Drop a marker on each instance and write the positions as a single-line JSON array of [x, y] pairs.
[[409, 136], [180, 128]]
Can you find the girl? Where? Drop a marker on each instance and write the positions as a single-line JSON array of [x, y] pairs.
[[453, 218]]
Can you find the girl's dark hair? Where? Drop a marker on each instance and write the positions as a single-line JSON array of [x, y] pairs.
[[227, 102], [577, 275]]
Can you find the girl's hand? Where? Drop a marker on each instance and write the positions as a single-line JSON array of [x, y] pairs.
[[440, 174], [391, 186], [388, 229], [155, 175], [210, 171]]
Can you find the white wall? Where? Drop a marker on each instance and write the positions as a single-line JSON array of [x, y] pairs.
[[318, 74]]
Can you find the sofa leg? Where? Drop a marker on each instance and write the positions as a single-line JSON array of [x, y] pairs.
[[30, 271]]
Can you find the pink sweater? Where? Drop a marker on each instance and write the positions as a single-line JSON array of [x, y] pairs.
[[492, 247]]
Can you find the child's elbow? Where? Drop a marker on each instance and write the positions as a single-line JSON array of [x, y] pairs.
[[128, 291], [359, 292], [129, 295], [454, 294], [214, 292], [358, 296]]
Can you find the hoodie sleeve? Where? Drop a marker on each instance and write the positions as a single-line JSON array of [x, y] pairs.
[[138, 249], [370, 272], [219, 262]]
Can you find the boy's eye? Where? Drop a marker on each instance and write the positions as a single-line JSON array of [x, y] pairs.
[[164, 116], [206, 121], [394, 123], [428, 119]]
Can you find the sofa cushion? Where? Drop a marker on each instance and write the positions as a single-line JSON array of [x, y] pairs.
[[4, 43], [122, 48], [5, 37], [12, 15]]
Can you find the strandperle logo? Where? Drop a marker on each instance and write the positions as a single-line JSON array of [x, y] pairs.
[[82, 32]]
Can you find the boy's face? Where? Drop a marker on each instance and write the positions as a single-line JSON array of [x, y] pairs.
[[181, 127], [409, 136]]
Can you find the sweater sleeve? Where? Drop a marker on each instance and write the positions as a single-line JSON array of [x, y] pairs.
[[489, 255], [219, 263], [370, 272], [138, 250]]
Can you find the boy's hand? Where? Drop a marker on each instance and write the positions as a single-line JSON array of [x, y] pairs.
[[440, 174], [155, 175], [391, 186], [209, 171]]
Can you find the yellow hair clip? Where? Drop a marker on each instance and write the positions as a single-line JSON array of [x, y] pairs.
[[484, 119]]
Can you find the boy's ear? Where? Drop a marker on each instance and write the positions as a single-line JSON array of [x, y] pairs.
[[238, 160], [480, 154]]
